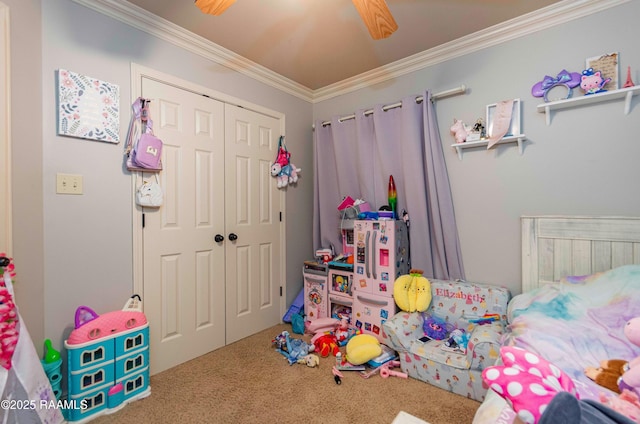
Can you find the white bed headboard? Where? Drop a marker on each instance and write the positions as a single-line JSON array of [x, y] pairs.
[[554, 247]]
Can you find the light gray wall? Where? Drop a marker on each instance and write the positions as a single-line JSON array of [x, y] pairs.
[[585, 163], [26, 134], [88, 238], [76, 250]]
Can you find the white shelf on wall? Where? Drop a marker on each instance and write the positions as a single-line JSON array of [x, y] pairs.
[[519, 139], [626, 93]]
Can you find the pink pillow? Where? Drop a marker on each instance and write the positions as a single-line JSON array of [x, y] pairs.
[[528, 381]]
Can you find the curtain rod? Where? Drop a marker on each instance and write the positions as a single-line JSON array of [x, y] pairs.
[[447, 93]]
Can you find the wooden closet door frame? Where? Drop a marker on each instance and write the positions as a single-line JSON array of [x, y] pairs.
[[138, 72]]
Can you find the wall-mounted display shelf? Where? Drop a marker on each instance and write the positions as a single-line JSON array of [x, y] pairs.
[[519, 139], [626, 93]]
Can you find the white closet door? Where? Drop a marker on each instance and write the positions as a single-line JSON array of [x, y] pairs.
[[184, 275], [252, 209], [198, 293]]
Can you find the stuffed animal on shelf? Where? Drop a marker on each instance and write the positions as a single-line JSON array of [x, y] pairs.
[[458, 130], [593, 82], [618, 374]]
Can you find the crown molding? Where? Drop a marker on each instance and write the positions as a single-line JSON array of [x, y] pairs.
[[550, 16], [145, 21]]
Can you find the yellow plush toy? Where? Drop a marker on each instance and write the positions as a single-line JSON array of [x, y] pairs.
[[412, 292], [401, 291], [362, 348]]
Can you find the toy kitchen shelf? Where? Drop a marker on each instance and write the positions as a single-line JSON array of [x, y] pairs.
[[520, 138], [626, 93]]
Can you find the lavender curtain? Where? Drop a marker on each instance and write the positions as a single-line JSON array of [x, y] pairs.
[[355, 157]]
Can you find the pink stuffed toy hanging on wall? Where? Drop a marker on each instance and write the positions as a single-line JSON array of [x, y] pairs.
[[285, 172]]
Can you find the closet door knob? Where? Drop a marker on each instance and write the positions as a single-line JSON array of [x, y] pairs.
[[233, 237], [218, 238]]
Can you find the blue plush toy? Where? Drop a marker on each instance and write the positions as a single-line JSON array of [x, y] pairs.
[[292, 349], [458, 340]]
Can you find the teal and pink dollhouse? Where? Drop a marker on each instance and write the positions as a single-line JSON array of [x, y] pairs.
[[108, 360]]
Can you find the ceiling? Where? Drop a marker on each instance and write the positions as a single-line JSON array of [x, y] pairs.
[[317, 43]]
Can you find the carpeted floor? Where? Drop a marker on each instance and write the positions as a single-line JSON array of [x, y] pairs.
[[249, 382]]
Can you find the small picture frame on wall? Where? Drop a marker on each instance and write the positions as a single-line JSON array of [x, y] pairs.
[[609, 67], [514, 126]]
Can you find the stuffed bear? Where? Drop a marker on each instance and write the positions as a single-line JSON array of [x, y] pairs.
[[618, 374]]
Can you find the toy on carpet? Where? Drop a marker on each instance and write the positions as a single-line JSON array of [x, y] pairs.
[[618, 374], [412, 292], [362, 348], [386, 370], [343, 365], [337, 375], [527, 381], [325, 344], [330, 334], [292, 349], [344, 332], [322, 325], [310, 360]]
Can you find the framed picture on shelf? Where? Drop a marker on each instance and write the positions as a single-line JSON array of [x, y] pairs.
[[609, 67], [514, 126]]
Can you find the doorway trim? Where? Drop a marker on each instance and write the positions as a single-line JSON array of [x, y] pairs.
[[137, 73], [6, 217]]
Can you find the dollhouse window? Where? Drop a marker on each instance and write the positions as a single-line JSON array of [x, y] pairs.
[[133, 384], [133, 342], [91, 379], [132, 364], [94, 402], [91, 356]]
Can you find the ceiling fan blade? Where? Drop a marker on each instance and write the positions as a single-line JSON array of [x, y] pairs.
[[214, 7], [377, 17]]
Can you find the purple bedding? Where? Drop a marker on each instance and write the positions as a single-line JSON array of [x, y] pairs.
[[573, 324]]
